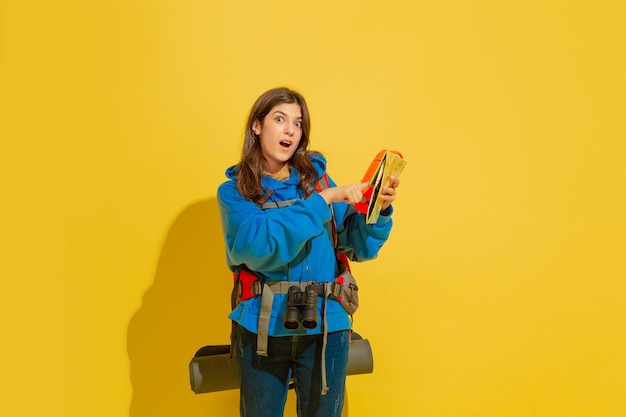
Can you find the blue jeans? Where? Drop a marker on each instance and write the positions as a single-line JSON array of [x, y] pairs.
[[264, 382]]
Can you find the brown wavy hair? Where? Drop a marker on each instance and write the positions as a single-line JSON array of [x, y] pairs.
[[250, 168]]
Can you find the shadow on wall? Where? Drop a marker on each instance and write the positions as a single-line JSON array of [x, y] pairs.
[[185, 309]]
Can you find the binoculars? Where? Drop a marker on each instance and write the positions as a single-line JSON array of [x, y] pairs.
[[301, 308]]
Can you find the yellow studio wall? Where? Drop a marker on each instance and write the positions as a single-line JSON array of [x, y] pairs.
[[500, 292]]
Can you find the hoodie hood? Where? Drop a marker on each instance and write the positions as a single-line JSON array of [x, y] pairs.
[[231, 172]]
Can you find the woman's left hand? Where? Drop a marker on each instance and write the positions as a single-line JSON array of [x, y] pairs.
[[388, 194]]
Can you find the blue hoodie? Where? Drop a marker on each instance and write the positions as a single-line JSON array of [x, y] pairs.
[[293, 243]]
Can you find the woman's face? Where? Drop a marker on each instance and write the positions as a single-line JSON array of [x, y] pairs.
[[279, 133]]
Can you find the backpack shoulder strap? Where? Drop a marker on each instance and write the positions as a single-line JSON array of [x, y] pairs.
[[322, 184]]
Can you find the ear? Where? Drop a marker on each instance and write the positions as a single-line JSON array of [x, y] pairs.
[[256, 127]]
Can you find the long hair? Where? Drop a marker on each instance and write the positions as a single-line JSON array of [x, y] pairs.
[[250, 168]]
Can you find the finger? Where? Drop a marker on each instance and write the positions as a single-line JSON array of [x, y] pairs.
[[388, 191], [356, 195], [395, 181], [387, 197], [348, 195]]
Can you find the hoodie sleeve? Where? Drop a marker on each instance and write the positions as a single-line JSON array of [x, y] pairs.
[[360, 241], [266, 240]]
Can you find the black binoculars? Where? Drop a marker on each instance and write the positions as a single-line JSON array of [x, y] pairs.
[[301, 308]]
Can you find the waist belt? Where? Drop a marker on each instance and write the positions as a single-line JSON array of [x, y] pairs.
[[252, 286]]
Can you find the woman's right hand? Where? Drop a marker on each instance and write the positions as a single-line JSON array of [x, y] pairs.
[[350, 194]]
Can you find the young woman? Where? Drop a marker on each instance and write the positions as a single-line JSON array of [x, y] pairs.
[[280, 243]]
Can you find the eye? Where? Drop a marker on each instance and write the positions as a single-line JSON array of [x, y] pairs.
[[299, 124], [279, 118]]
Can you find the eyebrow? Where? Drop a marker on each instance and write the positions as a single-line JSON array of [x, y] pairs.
[[285, 114]]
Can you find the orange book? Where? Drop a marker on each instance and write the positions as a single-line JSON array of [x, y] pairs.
[[387, 163]]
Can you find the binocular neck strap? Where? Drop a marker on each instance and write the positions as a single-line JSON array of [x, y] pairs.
[[327, 292], [267, 299]]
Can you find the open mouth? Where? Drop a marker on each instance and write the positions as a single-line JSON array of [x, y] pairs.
[[285, 144]]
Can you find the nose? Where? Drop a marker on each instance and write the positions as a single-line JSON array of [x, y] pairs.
[[289, 129]]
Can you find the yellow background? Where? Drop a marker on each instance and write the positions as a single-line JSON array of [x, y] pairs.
[[501, 290]]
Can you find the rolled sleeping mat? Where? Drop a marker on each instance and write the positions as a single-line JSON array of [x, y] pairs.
[[360, 357], [212, 369]]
